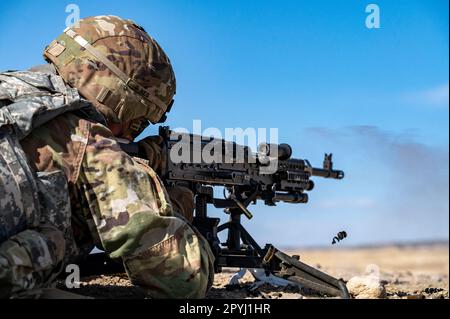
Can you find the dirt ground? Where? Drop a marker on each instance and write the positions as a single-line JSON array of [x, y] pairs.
[[420, 271]]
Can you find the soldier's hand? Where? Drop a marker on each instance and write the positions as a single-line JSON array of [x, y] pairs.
[[152, 150], [182, 200]]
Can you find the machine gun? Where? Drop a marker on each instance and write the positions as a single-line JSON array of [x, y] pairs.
[[271, 175]]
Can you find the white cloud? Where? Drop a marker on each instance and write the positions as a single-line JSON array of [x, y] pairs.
[[436, 97]]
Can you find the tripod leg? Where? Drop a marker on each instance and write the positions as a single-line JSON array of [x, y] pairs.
[[307, 276], [234, 231]]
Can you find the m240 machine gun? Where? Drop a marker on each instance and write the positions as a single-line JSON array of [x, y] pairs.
[[271, 175]]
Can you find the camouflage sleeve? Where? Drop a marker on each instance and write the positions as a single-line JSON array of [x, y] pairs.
[[28, 261], [134, 221], [182, 198]]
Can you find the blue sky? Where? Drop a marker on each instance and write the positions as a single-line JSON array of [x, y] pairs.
[[376, 98]]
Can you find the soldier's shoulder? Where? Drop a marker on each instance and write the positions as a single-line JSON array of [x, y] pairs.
[[57, 136], [59, 144], [43, 68]]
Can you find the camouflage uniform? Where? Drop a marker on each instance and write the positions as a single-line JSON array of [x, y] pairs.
[[117, 202]]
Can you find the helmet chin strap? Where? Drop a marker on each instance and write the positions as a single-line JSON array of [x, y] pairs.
[[137, 126]]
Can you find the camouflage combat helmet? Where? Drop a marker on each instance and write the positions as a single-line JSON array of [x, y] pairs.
[[118, 67]]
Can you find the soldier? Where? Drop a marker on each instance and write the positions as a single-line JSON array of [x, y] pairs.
[[59, 130]]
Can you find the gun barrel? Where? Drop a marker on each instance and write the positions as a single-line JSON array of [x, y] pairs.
[[290, 197], [327, 173]]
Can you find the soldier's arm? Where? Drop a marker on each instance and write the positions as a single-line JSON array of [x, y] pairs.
[[182, 198], [134, 221]]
